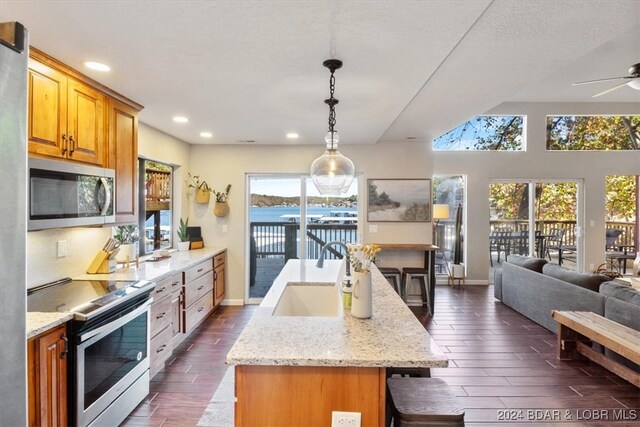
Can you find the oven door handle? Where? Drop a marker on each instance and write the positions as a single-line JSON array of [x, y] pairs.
[[112, 326]]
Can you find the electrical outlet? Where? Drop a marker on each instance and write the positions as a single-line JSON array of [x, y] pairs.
[[592, 223], [345, 419], [373, 229], [225, 228], [61, 249], [591, 267]]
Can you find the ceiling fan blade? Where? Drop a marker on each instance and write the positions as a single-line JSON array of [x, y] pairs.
[[616, 87], [602, 80]]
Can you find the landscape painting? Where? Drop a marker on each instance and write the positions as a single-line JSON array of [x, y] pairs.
[[399, 200]]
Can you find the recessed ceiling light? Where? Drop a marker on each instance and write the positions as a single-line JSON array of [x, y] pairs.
[[97, 66], [292, 135], [180, 119], [206, 134]]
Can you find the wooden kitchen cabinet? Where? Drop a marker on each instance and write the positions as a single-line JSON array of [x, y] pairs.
[[47, 378], [160, 328], [66, 116], [197, 294], [219, 278], [123, 157]]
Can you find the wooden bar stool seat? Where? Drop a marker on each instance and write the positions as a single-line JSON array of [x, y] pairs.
[[423, 402], [393, 275], [422, 274]]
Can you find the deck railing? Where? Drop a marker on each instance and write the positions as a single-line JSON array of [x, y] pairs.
[[280, 239]]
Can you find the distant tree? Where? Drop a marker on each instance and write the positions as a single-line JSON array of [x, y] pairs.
[[593, 132], [497, 133], [621, 198]]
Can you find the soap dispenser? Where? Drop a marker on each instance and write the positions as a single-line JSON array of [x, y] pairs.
[[347, 292]]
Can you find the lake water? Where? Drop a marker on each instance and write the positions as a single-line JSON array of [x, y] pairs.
[[274, 213]]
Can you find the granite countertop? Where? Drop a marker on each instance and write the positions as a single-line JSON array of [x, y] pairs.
[[38, 323], [391, 337]]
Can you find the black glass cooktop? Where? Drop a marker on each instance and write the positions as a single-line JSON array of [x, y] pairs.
[[82, 296]]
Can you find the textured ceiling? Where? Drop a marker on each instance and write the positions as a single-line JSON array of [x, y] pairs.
[[253, 69]]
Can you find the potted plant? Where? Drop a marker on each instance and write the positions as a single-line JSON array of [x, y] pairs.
[[127, 235], [456, 268], [201, 187], [221, 207], [183, 236]]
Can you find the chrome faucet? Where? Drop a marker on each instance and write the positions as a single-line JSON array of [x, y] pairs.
[[320, 262]]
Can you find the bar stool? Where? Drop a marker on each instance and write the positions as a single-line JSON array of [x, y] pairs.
[[393, 275], [422, 274]]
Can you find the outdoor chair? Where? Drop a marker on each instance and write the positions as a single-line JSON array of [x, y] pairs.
[[554, 243], [499, 241], [615, 252], [520, 243]]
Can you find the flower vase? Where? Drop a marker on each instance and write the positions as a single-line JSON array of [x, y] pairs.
[[361, 301]]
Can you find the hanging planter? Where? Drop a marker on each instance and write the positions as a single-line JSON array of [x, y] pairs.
[[202, 196], [221, 209]]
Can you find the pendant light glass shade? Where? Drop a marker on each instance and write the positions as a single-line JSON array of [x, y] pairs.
[[332, 173]]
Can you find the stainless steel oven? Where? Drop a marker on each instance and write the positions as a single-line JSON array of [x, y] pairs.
[[112, 366], [109, 345]]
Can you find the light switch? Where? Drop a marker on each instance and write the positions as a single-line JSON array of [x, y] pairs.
[[373, 228], [592, 223], [225, 228]]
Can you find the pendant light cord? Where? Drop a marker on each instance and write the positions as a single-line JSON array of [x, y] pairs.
[[332, 103]]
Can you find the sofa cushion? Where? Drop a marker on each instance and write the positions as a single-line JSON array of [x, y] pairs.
[[534, 264], [621, 292], [589, 281]]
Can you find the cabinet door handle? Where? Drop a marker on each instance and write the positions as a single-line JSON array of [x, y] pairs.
[[160, 316], [200, 288], [161, 290], [64, 143], [66, 346], [215, 275], [73, 145], [161, 348]]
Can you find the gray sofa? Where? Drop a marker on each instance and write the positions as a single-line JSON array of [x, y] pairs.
[[534, 288]]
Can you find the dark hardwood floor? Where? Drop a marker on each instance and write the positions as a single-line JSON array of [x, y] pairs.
[[501, 365]]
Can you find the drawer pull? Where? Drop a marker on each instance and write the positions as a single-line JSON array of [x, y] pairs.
[[176, 283], [161, 348], [160, 316], [164, 288], [200, 269], [200, 309], [200, 288]]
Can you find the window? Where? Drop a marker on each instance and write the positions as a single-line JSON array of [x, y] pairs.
[[155, 206], [621, 192], [593, 133], [448, 190], [484, 133]]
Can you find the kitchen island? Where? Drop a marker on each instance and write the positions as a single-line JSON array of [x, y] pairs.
[[296, 370]]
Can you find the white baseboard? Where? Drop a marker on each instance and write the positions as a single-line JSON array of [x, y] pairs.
[[232, 302]]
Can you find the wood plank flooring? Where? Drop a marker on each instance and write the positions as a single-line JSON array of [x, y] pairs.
[[502, 365]]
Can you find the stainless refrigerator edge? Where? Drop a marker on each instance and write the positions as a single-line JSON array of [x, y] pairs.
[[14, 54]]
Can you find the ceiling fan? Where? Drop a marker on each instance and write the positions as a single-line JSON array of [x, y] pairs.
[[632, 80]]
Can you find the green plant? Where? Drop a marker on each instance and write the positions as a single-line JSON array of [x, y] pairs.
[[182, 230], [222, 197], [126, 234], [194, 182]]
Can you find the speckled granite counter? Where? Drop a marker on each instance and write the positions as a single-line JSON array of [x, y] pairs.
[[38, 323], [179, 261], [391, 337]]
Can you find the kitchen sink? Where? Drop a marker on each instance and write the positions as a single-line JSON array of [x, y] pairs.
[[303, 299]]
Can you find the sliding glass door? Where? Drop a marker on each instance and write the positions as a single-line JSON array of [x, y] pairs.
[[536, 218], [288, 219]]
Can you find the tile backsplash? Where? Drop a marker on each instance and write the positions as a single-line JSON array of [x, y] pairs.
[[44, 266]]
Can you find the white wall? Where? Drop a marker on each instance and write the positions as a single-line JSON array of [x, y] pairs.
[[83, 243], [220, 165], [536, 162]]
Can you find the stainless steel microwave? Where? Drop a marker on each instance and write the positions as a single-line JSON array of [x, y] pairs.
[[64, 194]]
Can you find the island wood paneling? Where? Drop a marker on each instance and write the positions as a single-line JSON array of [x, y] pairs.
[[306, 395]]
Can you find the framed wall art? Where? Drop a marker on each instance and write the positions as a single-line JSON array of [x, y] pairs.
[[399, 200]]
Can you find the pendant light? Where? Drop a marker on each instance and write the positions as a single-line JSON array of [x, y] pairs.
[[332, 173]]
